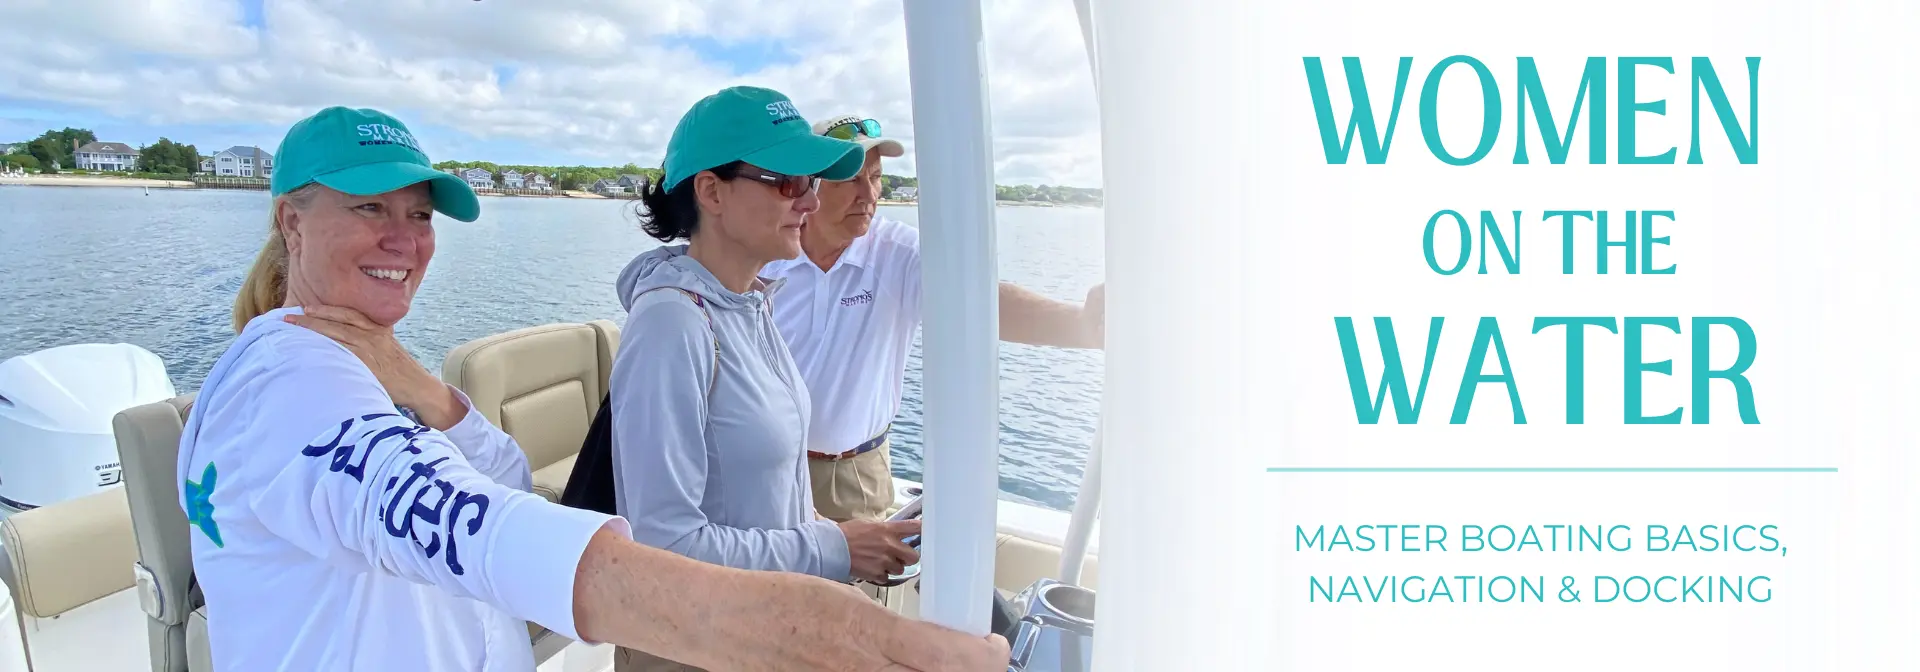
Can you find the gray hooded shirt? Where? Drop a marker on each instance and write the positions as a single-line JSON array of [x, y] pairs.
[[718, 474]]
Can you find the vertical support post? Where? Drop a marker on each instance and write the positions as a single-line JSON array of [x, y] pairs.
[[960, 340], [1086, 512]]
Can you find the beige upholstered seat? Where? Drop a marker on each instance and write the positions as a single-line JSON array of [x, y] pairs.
[[1018, 562], [542, 385], [68, 554]]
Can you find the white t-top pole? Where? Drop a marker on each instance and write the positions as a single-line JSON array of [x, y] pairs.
[[960, 331]]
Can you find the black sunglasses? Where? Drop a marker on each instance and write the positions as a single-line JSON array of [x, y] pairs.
[[791, 186]]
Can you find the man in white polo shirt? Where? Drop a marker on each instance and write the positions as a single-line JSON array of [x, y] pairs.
[[848, 311]]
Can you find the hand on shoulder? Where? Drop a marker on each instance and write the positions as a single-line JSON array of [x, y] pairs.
[[406, 381]]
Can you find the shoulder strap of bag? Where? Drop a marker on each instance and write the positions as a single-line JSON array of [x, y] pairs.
[[590, 485], [701, 303]]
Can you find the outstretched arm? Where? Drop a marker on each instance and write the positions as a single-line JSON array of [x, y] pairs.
[[1028, 317], [719, 618]]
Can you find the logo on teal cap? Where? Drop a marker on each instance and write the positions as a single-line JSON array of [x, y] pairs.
[[365, 152], [754, 125], [382, 134]]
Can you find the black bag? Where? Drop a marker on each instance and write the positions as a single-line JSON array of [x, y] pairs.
[[590, 486]]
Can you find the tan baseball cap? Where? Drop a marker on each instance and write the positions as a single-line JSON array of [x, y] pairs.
[[860, 130]]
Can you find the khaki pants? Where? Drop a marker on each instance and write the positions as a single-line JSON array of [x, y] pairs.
[[856, 487]]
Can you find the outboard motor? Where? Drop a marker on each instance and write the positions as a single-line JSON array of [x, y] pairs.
[[1055, 630], [56, 419]]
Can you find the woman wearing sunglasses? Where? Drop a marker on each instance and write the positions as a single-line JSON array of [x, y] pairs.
[[709, 413]]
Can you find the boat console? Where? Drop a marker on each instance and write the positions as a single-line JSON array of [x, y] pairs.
[[1055, 630], [910, 511], [1049, 624]]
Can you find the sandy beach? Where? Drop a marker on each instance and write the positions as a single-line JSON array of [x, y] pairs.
[[92, 181]]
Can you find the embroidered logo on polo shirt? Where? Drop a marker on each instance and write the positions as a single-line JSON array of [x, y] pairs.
[[858, 299]]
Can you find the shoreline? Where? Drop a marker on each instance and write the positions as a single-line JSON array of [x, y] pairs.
[[39, 180], [35, 180], [1008, 204]]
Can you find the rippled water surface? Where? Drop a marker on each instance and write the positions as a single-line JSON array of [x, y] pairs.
[[82, 265]]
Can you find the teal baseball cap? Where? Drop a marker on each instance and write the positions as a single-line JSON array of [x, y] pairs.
[[761, 127], [365, 152]]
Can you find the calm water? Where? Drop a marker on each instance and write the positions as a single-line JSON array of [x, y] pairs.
[[83, 264]]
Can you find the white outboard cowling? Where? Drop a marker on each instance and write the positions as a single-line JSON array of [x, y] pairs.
[[56, 418]]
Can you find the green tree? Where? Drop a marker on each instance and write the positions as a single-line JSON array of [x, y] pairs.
[[63, 143], [24, 161], [572, 178], [48, 153], [167, 156]]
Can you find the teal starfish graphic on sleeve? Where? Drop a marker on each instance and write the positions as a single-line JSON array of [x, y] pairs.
[[200, 507]]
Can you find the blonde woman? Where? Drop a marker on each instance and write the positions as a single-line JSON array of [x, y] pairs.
[[349, 511]]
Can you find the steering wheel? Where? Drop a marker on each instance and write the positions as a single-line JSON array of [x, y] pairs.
[[909, 512], [1005, 619]]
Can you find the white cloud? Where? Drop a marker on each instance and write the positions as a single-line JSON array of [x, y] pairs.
[[601, 81]]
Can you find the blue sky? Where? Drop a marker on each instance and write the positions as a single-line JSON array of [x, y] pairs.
[[593, 83]]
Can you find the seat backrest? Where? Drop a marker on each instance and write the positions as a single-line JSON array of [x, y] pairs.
[[149, 440], [541, 384], [61, 556], [609, 335]]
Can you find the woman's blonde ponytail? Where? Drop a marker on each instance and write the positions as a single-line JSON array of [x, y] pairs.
[[266, 285]]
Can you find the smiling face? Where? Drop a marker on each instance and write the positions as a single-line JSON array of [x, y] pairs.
[[846, 208], [368, 253]]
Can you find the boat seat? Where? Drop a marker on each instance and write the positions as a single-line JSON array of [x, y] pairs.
[[1018, 562], [65, 555], [541, 385], [148, 437]]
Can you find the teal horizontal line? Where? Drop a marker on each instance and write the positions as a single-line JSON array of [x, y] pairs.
[[1553, 470]]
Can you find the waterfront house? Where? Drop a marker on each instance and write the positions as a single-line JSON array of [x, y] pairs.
[[9, 147], [907, 193], [512, 179], [634, 183], [607, 187], [478, 178], [538, 181], [105, 156], [206, 165], [241, 161]]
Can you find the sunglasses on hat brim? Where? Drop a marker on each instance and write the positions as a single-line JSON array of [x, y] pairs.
[[846, 130]]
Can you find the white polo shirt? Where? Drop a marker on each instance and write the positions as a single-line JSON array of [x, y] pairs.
[[849, 329]]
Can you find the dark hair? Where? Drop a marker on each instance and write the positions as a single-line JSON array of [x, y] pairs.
[[673, 215]]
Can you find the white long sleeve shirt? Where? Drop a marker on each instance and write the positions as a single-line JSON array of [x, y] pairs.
[[331, 532]]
